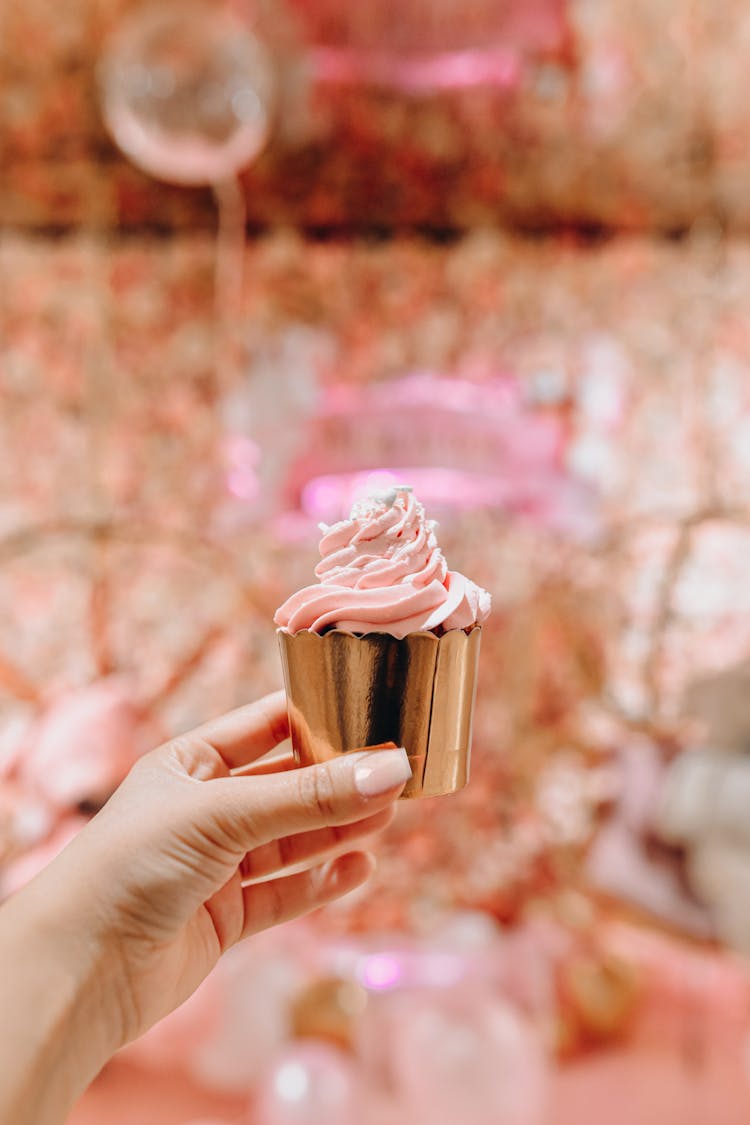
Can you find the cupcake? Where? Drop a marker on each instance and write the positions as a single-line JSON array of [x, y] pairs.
[[383, 648]]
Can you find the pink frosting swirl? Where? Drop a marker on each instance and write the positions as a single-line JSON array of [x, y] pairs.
[[383, 571]]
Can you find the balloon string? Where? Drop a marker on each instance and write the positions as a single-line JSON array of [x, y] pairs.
[[228, 278]]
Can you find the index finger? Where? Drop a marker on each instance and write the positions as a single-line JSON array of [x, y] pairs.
[[241, 736]]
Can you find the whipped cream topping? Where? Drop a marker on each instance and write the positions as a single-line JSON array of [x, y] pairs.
[[383, 571]]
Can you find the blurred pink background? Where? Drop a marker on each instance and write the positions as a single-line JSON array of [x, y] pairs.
[[499, 249]]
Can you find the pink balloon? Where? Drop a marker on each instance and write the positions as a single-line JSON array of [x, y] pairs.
[[83, 745], [228, 1033], [455, 1055], [309, 1084], [255, 983]]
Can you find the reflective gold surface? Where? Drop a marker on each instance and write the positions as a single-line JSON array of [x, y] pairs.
[[348, 692]]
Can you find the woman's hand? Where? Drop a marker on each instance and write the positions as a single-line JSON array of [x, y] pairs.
[[141, 905]]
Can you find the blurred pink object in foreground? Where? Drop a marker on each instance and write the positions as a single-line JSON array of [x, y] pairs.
[[310, 1084], [64, 763], [450, 1030], [456, 1055], [83, 745], [619, 861], [226, 1035]]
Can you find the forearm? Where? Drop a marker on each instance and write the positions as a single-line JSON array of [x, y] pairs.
[[134, 913], [54, 1033]]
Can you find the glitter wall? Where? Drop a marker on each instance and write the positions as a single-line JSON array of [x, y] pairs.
[[499, 250]]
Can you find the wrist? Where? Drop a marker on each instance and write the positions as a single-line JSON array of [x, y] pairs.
[[58, 1032]]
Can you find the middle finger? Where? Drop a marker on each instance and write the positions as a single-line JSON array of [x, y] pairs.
[[306, 848]]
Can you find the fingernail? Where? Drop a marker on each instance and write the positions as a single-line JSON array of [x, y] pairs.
[[383, 770]]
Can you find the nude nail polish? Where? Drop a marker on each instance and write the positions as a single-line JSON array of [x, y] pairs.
[[380, 771]]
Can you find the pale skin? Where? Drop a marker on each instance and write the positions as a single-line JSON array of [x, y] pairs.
[[128, 920]]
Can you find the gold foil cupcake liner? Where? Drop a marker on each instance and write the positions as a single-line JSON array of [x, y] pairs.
[[347, 693]]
